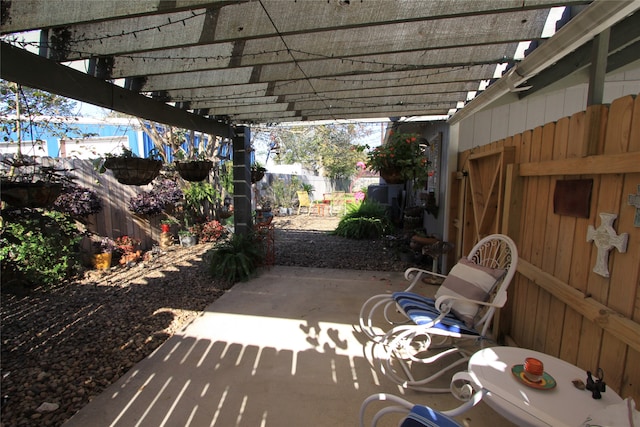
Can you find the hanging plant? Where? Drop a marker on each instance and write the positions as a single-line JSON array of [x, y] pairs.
[[131, 170], [194, 170], [78, 202], [153, 202], [400, 159]]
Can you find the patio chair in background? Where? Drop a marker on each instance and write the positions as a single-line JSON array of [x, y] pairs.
[[338, 203], [304, 201], [459, 314]]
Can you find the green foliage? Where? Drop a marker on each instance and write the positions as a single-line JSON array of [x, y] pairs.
[[329, 149], [36, 103], [196, 196], [283, 193], [307, 188], [404, 152], [38, 247], [226, 177], [367, 220], [196, 193], [337, 151], [237, 258]]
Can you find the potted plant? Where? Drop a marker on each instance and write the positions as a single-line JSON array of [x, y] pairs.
[[79, 202], [27, 184], [186, 237], [150, 203], [257, 172], [131, 170], [127, 246], [400, 158], [165, 224], [103, 256]]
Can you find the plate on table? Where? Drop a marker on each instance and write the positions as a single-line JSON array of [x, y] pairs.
[[545, 383]]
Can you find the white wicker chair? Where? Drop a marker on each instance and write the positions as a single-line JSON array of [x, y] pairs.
[[429, 329]]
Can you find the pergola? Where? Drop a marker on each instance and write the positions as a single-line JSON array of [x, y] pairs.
[[204, 64], [218, 65]]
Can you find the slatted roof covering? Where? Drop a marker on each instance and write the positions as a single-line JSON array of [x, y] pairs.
[[282, 60]]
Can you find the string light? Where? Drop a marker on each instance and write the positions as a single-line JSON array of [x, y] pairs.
[[292, 53]]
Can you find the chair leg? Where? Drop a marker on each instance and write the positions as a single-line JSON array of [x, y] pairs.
[[379, 304], [398, 356], [402, 406]]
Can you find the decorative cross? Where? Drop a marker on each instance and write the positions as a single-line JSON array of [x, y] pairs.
[[606, 239], [634, 200]]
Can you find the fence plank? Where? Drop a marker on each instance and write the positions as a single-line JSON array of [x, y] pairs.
[[578, 258], [555, 251], [521, 283], [544, 213], [531, 240]]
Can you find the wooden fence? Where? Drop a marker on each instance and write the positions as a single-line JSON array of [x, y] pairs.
[[557, 303]]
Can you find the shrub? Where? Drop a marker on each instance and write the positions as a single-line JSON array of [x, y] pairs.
[[38, 247], [367, 220], [236, 259], [210, 231]]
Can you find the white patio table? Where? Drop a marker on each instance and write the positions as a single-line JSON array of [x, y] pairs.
[[524, 405]]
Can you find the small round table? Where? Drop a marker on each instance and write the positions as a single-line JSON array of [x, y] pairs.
[[562, 405]]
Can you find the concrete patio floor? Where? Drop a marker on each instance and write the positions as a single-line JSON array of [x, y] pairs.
[[280, 350]]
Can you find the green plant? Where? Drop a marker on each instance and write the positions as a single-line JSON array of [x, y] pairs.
[[403, 152], [210, 231], [169, 221], [237, 258], [367, 220], [283, 192], [38, 247], [308, 188], [197, 193]]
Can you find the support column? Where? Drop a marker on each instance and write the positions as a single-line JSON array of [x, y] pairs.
[[598, 67], [241, 142]]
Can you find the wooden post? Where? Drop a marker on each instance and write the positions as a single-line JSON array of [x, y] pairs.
[[242, 180]]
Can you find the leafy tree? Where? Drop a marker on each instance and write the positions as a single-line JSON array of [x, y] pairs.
[[19, 106], [328, 150]]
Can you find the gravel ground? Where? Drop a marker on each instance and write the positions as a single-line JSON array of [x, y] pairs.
[[65, 345]]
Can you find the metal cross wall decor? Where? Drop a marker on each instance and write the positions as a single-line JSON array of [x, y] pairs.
[[605, 238], [634, 200]]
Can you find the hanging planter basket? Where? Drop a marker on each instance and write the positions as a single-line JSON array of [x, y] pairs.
[[392, 176], [224, 214], [257, 174], [133, 170], [30, 194], [197, 170]]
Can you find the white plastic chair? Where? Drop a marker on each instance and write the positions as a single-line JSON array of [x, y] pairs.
[[426, 330]]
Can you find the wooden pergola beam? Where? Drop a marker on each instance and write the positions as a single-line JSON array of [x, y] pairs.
[[28, 69]]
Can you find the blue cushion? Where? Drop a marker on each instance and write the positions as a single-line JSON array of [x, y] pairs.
[[422, 416], [421, 310]]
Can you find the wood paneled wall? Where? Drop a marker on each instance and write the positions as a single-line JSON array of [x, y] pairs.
[[557, 304]]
